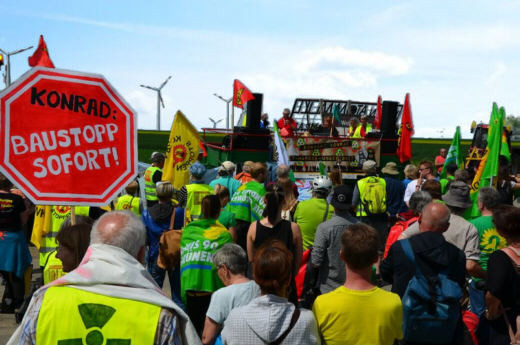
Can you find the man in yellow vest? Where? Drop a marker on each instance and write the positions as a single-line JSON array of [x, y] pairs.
[[130, 201], [356, 130], [369, 197], [152, 175], [109, 298], [367, 127], [191, 195]]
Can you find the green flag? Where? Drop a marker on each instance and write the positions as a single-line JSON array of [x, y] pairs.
[[454, 154], [487, 172], [335, 113], [323, 171], [504, 147]]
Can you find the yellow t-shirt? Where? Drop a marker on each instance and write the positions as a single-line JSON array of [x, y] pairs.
[[352, 317]]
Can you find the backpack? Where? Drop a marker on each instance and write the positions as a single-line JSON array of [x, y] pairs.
[[431, 308], [373, 197]]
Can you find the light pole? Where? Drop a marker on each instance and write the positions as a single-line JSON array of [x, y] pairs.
[[159, 100], [227, 101], [8, 66]]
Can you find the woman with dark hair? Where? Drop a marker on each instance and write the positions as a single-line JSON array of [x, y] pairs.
[[270, 318], [274, 227], [73, 241], [503, 279], [226, 217], [200, 241], [15, 257]]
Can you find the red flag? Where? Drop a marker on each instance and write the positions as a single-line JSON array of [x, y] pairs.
[[379, 113], [241, 94], [41, 56], [404, 148]]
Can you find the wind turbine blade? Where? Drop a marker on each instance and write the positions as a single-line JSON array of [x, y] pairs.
[[160, 98], [164, 83], [148, 87]]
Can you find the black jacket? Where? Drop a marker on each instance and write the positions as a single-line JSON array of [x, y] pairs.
[[432, 254]]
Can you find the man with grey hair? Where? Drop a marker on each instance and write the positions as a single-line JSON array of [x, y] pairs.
[[152, 175], [231, 263], [101, 298], [490, 241]]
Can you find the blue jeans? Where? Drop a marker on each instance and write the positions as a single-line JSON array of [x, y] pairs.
[[174, 276], [477, 302]]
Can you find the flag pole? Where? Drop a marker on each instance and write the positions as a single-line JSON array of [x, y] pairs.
[[232, 118]]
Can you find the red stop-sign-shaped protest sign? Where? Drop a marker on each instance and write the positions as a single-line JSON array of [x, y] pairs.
[[68, 138]]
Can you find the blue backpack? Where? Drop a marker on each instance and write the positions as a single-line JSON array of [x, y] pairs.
[[431, 306]]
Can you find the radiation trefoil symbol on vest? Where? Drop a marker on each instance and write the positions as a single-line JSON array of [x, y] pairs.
[[94, 317]]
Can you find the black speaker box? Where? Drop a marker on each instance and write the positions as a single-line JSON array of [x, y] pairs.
[[254, 111], [388, 123], [256, 139]]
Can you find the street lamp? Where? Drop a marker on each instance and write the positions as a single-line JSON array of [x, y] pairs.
[[227, 101], [159, 100], [8, 66]]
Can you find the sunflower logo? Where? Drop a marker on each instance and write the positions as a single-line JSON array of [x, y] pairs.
[[491, 241], [94, 317]]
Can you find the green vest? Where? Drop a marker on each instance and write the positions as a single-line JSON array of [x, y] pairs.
[[373, 202], [58, 215], [357, 132], [128, 202], [200, 240], [53, 268], [149, 185], [248, 202], [73, 316], [196, 192]]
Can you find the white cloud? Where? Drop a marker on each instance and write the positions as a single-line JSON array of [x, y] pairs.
[[499, 71]]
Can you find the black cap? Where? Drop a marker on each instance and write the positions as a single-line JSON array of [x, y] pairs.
[[342, 198]]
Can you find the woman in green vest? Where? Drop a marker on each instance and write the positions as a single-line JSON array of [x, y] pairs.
[[200, 240]]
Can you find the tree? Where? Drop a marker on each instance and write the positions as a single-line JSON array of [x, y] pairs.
[[514, 122]]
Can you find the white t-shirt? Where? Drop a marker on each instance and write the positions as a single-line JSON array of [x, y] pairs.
[[226, 299], [410, 189]]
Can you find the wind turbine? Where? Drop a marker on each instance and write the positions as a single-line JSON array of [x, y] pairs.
[[159, 100], [215, 122]]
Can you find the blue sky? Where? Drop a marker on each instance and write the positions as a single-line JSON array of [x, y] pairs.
[[455, 58]]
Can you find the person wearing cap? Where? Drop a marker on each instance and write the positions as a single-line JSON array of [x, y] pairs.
[[245, 176], [460, 233], [310, 213], [225, 173], [248, 203], [191, 195], [130, 201], [394, 191], [152, 175], [327, 241], [286, 124], [370, 201]]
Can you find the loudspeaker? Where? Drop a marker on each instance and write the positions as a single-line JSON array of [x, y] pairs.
[[389, 127], [257, 139], [388, 123], [254, 111]]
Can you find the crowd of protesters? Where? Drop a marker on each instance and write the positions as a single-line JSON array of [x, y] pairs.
[[354, 264]]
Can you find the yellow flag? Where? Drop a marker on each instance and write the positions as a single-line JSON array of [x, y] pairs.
[[42, 224], [182, 151]]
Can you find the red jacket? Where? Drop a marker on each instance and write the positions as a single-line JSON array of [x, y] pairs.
[[289, 125]]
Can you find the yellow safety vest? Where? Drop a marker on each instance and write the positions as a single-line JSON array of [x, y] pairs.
[[53, 268], [196, 192], [149, 185], [379, 199], [74, 316], [128, 202], [58, 215], [368, 128], [357, 132]]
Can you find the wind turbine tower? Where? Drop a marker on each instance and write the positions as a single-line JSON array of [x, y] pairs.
[[159, 100]]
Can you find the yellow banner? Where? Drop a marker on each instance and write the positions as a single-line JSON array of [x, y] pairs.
[[42, 224], [182, 151]]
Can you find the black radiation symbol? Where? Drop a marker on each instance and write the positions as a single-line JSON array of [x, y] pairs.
[[94, 317]]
